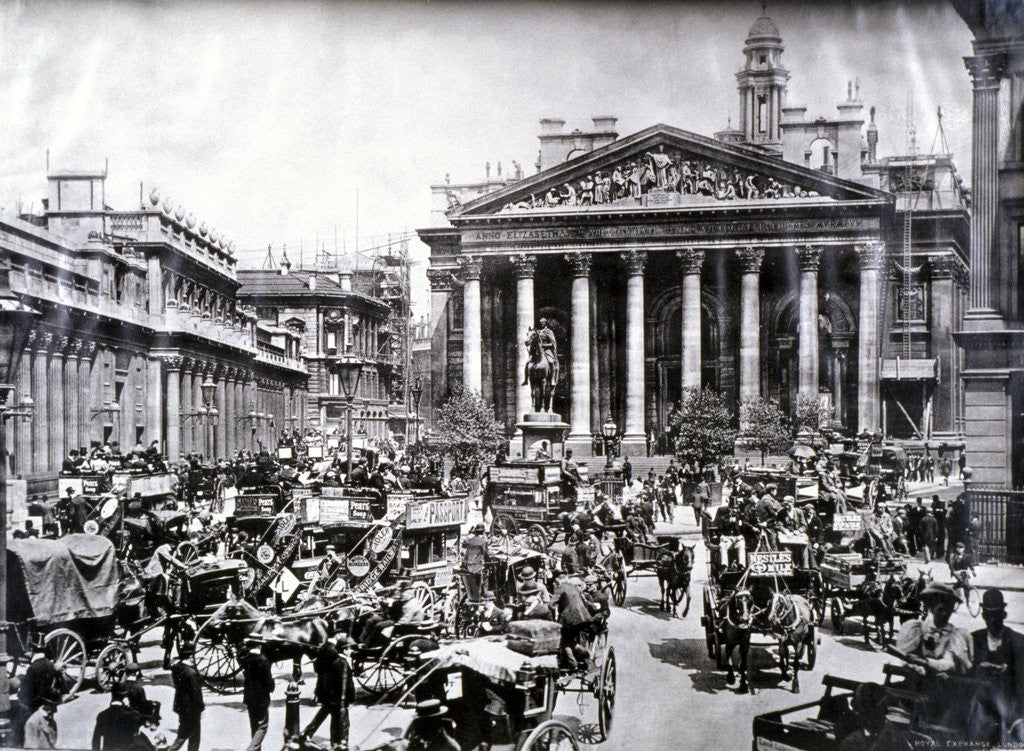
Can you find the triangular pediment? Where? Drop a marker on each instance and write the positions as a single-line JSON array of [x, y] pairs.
[[665, 167]]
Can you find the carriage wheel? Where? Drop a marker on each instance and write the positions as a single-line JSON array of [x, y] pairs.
[[449, 610], [551, 735], [836, 613], [810, 648], [110, 665], [537, 537], [187, 552], [390, 669], [618, 575], [606, 694], [424, 595], [215, 659], [504, 524], [69, 657], [467, 620], [710, 632], [818, 610], [973, 602]]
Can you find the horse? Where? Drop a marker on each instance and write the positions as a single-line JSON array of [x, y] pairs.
[[907, 595], [674, 578], [790, 618], [737, 618], [874, 601], [541, 376]]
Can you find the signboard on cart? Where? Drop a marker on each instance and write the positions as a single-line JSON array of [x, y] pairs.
[[585, 496], [284, 452], [333, 510], [848, 522], [254, 505], [771, 563], [437, 513], [539, 474], [315, 451]]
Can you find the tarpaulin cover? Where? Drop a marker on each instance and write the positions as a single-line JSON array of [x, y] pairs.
[[489, 657], [55, 581]]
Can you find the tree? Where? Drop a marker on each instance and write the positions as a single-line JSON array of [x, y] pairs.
[[766, 426], [465, 429], [703, 432], [811, 413]]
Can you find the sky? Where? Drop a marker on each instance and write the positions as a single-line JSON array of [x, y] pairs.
[[273, 121]]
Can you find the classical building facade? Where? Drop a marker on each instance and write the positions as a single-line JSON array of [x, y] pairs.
[[138, 309], [335, 313], [993, 328], [768, 261]]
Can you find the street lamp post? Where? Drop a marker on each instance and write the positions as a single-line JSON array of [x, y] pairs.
[[208, 389], [349, 370], [15, 323], [608, 431], [417, 392]]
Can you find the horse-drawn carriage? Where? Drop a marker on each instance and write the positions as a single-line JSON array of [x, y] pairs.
[[777, 596], [531, 498]]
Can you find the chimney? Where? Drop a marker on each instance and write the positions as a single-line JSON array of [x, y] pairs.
[[604, 123], [551, 125], [345, 280], [312, 280]]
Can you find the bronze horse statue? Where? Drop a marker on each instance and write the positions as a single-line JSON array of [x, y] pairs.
[[541, 373]]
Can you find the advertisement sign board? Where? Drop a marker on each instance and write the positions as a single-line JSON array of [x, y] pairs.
[[441, 512], [771, 563], [333, 510]]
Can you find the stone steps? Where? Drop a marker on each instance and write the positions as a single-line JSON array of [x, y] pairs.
[[641, 465]]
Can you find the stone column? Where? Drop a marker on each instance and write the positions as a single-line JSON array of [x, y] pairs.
[[986, 72], [691, 261], [228, 416], [525, 266], [579, 434], [55, 385], [221, 430], [871, 256], [200, 427], [810, 257], [750, 323], [41, 413], [596, 419], [72, 391], [472, 331], [634, 440], [172, 444], [154, 402], [87, 396]]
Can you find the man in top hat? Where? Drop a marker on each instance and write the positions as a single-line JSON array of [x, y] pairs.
[[932, 643], [998, 654], [135, 694], [474, 552], [334, 692], [188, 700], [534, 596], [118, 725], [428, 731], [257, 686]]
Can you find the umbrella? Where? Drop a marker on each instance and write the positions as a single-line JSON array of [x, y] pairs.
[[800, 451]]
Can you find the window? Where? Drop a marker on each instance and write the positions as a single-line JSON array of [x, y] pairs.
[[762, 114]]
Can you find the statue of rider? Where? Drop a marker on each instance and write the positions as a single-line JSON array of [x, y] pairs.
[[548, 345]]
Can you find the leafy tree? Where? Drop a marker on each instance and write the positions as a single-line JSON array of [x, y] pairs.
[[465, 429], [765, 426], [811, 413], [703, 431]]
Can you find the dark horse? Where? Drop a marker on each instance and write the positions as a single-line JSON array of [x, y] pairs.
[[674, 578], [791, 620], [541, 375], [874, 601], [737, 618]]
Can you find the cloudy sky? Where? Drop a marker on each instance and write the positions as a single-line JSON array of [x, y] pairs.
[[266, 118]]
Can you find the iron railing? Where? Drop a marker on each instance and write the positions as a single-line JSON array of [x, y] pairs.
[[1001, 515]]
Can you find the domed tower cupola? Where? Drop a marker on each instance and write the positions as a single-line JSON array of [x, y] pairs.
[[762, 84]]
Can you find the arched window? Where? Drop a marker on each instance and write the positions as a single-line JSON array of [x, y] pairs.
[[821, 155]]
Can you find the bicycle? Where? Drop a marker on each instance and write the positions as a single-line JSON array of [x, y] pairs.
[[970, 594]]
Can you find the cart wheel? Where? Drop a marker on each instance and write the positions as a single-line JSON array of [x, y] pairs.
[[606, 694], [550, 735], [424, 595], [537, 537], [467, 620], [818, 610], [69, 657], [215, 659], [110, 665], [836, 608], [390, 669], [449, 610], [504, 525], [810, 648], [186, 552], [973, 602]]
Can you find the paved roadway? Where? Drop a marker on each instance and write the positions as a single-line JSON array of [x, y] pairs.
[[669, 693]]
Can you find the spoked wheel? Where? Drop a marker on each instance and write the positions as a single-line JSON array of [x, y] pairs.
[[537, 537], [110, 665], [467, 620], [424, 595], [836, 608], [69, 657], [215, 657], [551, 735], [606, 694], [973, 602], [187, 552], [618, 573], [504, 524], [390, 669], [710, 629]]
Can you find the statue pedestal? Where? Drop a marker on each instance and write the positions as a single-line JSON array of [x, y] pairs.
[[537, 428]]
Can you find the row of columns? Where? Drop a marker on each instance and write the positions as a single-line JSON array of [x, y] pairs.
[[871, 257]]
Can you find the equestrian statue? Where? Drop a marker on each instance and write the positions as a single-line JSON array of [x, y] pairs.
[[542, 367]]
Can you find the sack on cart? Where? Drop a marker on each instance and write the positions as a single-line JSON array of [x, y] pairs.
[[534, 637]]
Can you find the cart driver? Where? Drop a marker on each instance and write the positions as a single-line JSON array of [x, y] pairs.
[[932, 644], [162, 577], [574, 616]]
